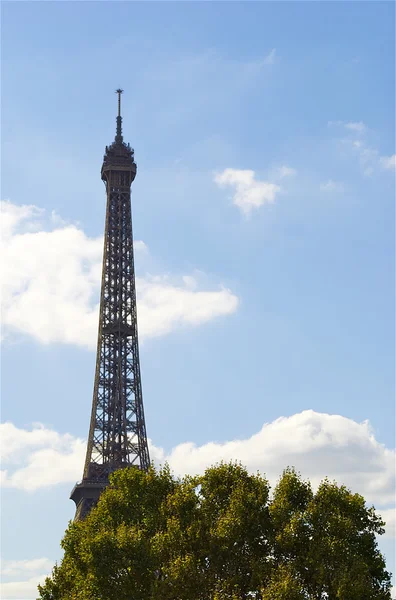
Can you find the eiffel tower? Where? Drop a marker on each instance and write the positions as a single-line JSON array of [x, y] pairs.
[[117, 433]]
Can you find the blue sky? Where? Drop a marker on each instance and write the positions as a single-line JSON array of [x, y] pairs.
[[248, 313]]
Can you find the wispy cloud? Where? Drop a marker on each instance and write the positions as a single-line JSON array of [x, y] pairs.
[[358, 127], [285, 171], [207, 81], [355, 126], [249, 192], [270, 58], [388, 162], [357, 141], [331, 186], [52, 273], [21, 568]]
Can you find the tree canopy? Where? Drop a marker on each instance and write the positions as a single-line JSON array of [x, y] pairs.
[[221, 536]]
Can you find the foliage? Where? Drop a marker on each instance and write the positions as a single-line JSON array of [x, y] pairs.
[[221, 536]]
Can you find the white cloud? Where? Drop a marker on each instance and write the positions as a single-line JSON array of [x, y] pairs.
[[29, 574], [388, 162], [140, 246], [18, 590], [317, 444], [359, 127], [51, 275], [331, 186], [12, 215], [355, 126], [249, 193], [389, 516], [285, 171], [39, 457], [164, 305], [23, 567]]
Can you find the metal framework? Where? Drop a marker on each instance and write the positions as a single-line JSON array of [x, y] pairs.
[[117, 434]]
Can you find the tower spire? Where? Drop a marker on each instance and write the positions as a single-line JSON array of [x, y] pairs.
[[117, 436], [119, 118]]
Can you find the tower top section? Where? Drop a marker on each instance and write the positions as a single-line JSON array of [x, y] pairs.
[[119, 156]]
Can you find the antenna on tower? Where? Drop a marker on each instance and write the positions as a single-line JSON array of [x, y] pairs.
[[119, 118], [119, 92]]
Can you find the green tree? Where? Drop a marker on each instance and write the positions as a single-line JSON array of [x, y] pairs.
[[221, 536], [328, 540]]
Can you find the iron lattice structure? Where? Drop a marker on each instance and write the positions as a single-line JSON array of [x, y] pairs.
[[117, 434]]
